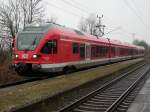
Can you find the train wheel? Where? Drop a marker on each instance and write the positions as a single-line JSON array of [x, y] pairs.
[[73, 68], [21, 69], [67, 70]]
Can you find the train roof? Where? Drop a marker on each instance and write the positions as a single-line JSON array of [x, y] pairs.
[[73, 33], [62, 30]]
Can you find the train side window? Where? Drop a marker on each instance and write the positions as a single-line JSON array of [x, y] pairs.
[[93, 51], [50, 47], [97, 51], [101, 51], [106, 50], [75, 48], [113, 51]]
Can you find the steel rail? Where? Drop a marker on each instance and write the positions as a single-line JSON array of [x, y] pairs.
[[113, 107], [75, 104], [19, 82]]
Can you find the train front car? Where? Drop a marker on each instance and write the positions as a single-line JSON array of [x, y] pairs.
[[31, 46], [51, 48]]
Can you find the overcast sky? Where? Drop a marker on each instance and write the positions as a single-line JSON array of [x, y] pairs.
[[131, 16]]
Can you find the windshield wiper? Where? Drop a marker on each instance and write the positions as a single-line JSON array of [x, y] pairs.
[[32, 44]]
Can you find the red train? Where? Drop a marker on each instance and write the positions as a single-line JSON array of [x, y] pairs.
[[51, 47]]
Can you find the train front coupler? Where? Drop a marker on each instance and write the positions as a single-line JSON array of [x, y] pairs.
[[22, 68]]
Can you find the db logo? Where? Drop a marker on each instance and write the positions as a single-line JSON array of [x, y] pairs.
[[25, 56]]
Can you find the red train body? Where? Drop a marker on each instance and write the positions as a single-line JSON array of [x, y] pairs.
[[51, 47]]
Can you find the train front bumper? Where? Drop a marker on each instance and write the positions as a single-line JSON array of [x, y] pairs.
[[37, 67]]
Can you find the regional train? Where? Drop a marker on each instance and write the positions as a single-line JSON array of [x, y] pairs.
[[51, 47]]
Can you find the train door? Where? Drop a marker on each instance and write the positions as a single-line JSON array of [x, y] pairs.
[[50, 50], [82, 51], [88, 52]]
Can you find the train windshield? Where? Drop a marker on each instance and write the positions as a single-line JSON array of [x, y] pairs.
[[28, 41]]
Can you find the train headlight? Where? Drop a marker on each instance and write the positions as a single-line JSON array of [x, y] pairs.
[[34, 56], [16, 56]]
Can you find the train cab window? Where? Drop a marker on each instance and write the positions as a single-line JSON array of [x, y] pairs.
[[75, 48], [50, 47]]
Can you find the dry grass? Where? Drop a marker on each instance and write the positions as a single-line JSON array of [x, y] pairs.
[[7, 75]]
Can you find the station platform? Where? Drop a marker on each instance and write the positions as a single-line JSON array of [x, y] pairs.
[[142, 100], [17, 97]]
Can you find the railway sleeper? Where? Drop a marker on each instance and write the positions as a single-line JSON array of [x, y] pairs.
[[102, 100], [98, 102], [85, 108], [107, 97], [95, 105], [81, 110]]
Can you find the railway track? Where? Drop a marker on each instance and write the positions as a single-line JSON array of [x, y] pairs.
[[20, 82], [111, 95], [32, 79]]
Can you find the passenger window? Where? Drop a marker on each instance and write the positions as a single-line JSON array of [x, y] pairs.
[[113, 51], [93, 51], [75, 48], [50, 47]]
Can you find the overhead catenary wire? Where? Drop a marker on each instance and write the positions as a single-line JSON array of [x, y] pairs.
[[137, 8], [136, 14], [62, 9], [139, 12], [121, 31], [74, 2], [79, 4], [74, 5], [112, 30], [84, 8]]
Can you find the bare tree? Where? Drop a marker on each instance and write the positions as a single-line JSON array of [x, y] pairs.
[[52, 19], [17, 13], [32, 10], [10, 21], [89, 24], [14, 16], [142, 43], [83, 25], [10, 17]]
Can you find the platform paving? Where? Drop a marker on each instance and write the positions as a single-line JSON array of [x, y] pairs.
[[142, 100]]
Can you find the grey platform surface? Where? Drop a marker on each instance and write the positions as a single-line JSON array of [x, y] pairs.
[[142, 101]]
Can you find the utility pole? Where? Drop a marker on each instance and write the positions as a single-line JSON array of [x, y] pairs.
[[100, 27]]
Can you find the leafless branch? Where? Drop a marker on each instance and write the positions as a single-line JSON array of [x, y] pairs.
[[88, 24]]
